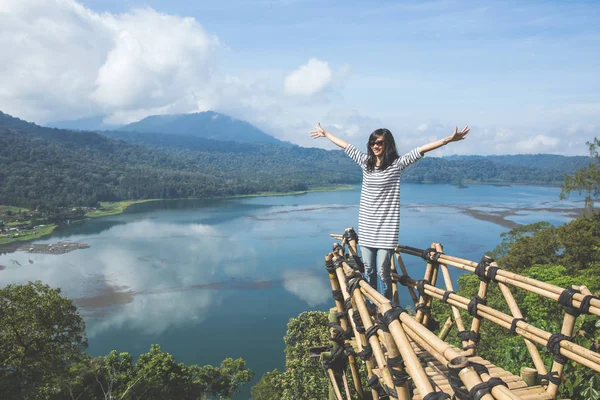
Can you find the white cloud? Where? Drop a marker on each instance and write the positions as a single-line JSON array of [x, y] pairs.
[[311, 289], [308, 79], [61, 60]]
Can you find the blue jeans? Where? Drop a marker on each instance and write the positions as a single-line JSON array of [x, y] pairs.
[[377, 269]]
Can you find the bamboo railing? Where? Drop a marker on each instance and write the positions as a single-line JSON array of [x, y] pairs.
[[403, 357]]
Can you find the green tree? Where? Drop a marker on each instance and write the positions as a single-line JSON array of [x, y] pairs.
[[268, 387], [303, 377], [585, 180], [41, 336]]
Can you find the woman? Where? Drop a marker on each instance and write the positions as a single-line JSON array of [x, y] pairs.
[[379, 212]]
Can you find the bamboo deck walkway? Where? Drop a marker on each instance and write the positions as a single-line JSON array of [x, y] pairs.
[[405, 359], [438, 376]]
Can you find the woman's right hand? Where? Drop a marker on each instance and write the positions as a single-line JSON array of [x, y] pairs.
[[319, 132]]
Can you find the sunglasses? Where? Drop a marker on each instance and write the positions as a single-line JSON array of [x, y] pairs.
[[376, 143]]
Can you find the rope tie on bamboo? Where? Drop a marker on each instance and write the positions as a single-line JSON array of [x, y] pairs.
[[337, 295], [479, 368], [401, 279], [481, 389], [337, 247], [420, 285], [350, 234], [349, 350], [469, 335], [381, 322], [353, 283], [457, 385], [433, 259], [392, 315], [475, 337], [330, 267], [360, 328], [398, 377], [366, 353], [347, 305], [355, 262], [586, 303], [340, 334], [513, 325], [381, 391], [436, 396], [337, 262], [372, 330], [481, 267], [422, 307], [447, 294], [566, 300], [472, 308], [554, 346], [338, 360], [550, 377]]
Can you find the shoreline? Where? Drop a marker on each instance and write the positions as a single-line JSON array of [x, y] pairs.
[[116, 208], [119, 207]]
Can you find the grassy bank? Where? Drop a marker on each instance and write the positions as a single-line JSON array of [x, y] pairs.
[[37, 233], [115, 208]]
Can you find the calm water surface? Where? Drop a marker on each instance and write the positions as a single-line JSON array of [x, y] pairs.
[[220, 278]]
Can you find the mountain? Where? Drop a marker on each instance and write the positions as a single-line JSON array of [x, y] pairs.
[[95, 123], [208, 125]]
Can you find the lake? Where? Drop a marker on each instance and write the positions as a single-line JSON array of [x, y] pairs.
[[209, 279]]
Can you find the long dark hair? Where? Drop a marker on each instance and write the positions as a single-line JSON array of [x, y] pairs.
[[390, 154]]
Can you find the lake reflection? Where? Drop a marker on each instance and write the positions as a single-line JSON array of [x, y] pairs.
[[209, 279]]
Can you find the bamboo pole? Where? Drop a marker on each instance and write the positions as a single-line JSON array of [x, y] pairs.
[[434, 276], [334, 384], [392, 352], [393, 270], [516, 312], [543, 289], [476, 322], [346, 388], [446, 329], [566, 329], [568, 349], [455, 311], [422, 298], [411, 290]]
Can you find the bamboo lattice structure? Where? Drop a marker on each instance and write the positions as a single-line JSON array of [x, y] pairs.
[[402, 356]]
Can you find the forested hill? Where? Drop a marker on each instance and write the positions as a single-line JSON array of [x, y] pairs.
[[53, 168], [567, 164]]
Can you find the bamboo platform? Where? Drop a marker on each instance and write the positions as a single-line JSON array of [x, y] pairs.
[[405, 359], [438, 376]]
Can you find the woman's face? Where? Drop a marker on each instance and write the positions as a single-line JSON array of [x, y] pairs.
[[377, 146]]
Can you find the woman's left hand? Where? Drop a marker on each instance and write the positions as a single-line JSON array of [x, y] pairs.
[[456, 136]]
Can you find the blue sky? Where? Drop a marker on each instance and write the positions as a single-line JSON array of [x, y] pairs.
[[523, 74]]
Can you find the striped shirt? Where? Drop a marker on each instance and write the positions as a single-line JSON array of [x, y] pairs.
[[379, 212]]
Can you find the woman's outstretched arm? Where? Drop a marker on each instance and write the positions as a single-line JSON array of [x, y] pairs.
[[320, 132], [455, 137]]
